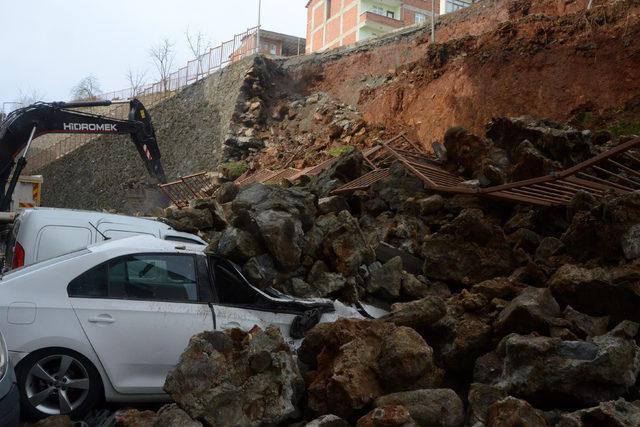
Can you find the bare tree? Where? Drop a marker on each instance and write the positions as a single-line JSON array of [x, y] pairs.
[[28, 98], [162, 56], [136, 81], [87, 88], [198, 45]]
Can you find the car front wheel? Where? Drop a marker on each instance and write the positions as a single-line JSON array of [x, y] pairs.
[[58, 381]]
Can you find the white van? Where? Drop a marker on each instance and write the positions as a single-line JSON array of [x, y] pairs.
[[43, 233]]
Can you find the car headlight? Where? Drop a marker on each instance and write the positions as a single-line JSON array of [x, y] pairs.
[[4, 357]]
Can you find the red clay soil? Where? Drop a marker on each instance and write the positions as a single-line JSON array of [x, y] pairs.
[[524, 57]]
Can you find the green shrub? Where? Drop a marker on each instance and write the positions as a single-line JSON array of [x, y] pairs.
[[621, 128], [340, 150], [233, 170]]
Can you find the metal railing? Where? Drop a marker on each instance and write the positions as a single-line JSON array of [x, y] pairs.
[[241, 46], [196, 186]]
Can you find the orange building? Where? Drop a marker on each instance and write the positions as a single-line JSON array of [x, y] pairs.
[[271, 43], [334, 23]]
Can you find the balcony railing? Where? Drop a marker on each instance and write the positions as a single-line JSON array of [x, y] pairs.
[[371, 17]]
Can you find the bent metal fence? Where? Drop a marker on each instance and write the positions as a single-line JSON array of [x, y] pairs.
[[616, 170], [196, 186], [241, 46]]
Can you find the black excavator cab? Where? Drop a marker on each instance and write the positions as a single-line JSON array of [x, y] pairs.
[[22, 126]]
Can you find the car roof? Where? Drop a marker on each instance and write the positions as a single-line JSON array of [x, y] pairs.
[[77, 214], [144, 243]]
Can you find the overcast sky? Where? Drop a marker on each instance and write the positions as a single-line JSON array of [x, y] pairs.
[[47, 46]]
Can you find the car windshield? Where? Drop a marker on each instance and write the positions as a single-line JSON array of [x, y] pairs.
[[24, 270]]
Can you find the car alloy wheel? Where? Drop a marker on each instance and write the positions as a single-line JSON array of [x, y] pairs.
[[57, 384]]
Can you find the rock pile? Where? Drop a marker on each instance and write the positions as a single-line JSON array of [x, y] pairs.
[[500, 315]]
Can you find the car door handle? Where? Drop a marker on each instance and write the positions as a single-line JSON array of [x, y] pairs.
[[103, 318]]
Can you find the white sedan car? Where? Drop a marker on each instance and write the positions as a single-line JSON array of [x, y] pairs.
[[112, 320]]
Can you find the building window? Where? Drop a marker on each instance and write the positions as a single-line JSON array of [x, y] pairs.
[[377, 10], [391, 15], [420, 18], [328, 9], [453, 5]]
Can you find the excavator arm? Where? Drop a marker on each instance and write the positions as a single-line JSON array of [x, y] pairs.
[[23, 125]]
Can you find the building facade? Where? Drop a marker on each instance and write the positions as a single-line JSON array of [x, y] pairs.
[[271, 43], [335, 23]]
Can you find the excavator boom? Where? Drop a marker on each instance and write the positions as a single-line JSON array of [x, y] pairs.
[[23, 125]]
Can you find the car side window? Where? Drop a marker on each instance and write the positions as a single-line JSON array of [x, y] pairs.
[[231, 289], [91, 284], [152, 277]]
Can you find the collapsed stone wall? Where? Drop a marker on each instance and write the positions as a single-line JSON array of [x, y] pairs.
[[190, 127], [496, 58]]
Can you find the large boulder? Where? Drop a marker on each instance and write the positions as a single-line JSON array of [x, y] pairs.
[[583, 325], [353, 362], [218, 217], [618, 413], [338, 240], [190, 220], [428, 407], [261, 271], [480, 398], [463, 334], [323, 282], [399, 186], [238, 245], [511, 412], [237, 378], [125, 418], [283, 237], [276, 216], [60, 421], [563, 144], [387, 416], [564, 372], [172, 416], [597, 291], [416, 287], [420, 314], [499, 287], [532, 311], [386, 281], [327, 421], [345, 169], [468, 250], [609, 231], [471, 155]]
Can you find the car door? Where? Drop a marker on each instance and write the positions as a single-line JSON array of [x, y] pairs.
[[238, 305], [139, 312]]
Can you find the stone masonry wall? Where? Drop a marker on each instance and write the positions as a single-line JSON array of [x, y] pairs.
[[191, 128]]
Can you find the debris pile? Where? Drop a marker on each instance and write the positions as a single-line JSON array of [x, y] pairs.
[[500, 314]]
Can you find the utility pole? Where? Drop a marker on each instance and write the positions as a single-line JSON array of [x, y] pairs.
[[259, 18], [433, 21]]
